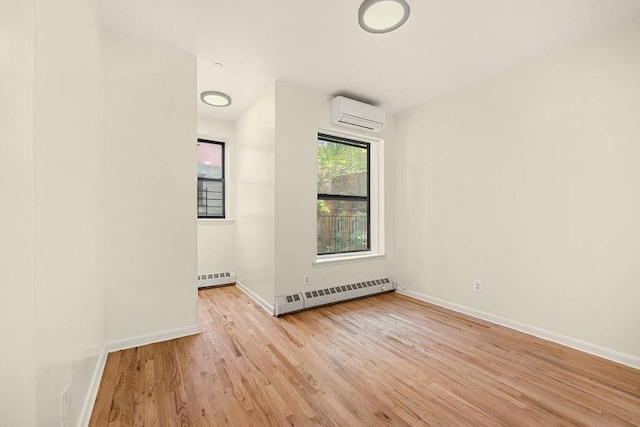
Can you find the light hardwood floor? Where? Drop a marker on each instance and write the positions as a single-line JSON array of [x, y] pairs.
[[386, 359]]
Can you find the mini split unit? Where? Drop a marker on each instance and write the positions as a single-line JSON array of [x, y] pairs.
[[358, 115]]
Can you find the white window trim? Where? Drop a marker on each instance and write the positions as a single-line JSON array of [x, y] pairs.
[[229, 206], [376, 200], [351, 258]]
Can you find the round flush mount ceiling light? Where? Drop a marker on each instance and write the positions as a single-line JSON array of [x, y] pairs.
[[216, 99], [382, 16]]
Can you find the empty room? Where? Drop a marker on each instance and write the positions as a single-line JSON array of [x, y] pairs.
[[338, 213]]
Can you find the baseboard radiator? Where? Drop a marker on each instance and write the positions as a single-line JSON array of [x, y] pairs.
[[331, 295], [216, 279]]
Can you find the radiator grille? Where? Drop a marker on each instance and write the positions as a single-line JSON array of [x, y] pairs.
[[331, 295], [216, 279]]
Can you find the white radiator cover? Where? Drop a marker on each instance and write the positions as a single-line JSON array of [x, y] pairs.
[[216, 279], [314, 298]]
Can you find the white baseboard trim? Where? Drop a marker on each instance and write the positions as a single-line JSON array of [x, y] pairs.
[[154, 337], [116, 345], [255, 297], [92, 393], [596, 350]]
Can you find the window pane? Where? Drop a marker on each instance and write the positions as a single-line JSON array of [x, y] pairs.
[[209, 160], [210, 198], [342, 169], [342, 226]]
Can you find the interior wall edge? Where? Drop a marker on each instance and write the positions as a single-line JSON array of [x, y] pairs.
[[92, 393], [255, 297], [154, 337]]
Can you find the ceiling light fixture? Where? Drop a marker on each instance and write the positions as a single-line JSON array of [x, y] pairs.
[[216, 99], [382, 16]]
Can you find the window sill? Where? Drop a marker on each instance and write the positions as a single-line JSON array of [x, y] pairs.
[[211, 221], [327, 262]]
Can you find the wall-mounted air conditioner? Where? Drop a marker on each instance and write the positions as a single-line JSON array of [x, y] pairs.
[[355, 114]]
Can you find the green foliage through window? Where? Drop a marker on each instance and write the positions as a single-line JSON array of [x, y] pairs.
[[343, 195]]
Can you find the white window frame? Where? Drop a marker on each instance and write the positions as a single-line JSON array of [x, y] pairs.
[[376, 201], [228, 181]]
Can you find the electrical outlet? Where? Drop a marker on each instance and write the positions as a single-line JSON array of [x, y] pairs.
[[477, 285], [65, 404], [307, 279]]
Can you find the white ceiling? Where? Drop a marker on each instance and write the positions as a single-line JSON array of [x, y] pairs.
[[445, 44]]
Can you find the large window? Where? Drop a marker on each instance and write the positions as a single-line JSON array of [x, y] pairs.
[[210, 179], [344, 205]]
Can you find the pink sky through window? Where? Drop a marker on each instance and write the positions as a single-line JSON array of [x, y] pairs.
[[210, 154]]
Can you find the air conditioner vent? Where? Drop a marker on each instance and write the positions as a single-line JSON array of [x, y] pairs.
[[355, 114]]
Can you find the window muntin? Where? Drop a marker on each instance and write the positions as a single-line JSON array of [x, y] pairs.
[[211, 195], [344, 205]]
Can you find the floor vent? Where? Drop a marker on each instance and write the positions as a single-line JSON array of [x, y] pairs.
[[309, 299], [216, 279]]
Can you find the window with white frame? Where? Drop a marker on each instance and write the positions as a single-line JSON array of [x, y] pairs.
[[211, 191], [347, 196]]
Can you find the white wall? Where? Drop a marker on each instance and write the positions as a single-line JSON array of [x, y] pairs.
[[68, 204], [216, 238], [17, 387], [300, 113], [530, 182], [150, 208], [255, 196], [52, 178], [275, 171]]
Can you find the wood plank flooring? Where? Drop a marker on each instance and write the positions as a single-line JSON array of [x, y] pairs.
[[384, 360]]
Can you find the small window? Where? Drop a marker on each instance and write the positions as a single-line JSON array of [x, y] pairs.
[[343, 195], [210, 179]]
